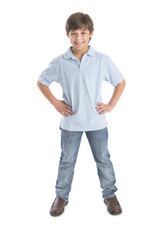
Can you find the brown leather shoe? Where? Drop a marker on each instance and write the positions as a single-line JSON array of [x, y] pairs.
[[57, 207], [114, 207]]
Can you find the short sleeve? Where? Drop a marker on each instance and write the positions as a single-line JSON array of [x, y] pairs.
[[112, 73], [49, 75]]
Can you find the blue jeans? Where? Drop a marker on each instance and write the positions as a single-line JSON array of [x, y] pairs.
[[70, 142]]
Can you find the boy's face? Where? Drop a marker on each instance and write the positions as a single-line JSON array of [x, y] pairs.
[[79, 38]]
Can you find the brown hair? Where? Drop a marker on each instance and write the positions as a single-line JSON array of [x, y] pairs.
[[77, 21]]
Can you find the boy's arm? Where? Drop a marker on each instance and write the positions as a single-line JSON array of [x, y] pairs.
[[59, 105], [104, 108]]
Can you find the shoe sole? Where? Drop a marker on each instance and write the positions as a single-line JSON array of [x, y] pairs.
[[58, 214]]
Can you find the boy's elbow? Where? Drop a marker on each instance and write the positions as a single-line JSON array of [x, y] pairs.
[[124, 83], [39, 84]]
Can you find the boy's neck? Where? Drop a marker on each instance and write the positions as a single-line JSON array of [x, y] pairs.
[[79, 53]]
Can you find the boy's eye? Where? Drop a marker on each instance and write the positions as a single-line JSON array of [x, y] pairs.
[[83, 32]]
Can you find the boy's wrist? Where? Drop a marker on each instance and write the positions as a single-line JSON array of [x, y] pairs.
[[54, 101], [111, 105]]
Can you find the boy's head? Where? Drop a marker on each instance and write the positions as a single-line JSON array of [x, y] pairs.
[[79, 21]]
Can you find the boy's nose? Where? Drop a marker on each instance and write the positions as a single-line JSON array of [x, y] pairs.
[[78, 38]]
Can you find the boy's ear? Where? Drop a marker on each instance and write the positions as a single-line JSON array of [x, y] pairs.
[[91, 34]]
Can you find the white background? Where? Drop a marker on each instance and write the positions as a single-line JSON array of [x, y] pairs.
[[32, 34]]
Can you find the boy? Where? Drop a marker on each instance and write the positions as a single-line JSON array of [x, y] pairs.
[[80, 72]]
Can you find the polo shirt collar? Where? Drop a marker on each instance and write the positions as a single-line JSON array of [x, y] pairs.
[[68, 54]]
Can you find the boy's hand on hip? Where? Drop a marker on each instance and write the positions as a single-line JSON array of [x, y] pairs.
[[64, 109], [103, 108]]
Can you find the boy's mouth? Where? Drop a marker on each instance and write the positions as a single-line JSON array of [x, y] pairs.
[[78, 43]]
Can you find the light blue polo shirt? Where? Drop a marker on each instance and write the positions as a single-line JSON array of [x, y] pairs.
[[81, 83]]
